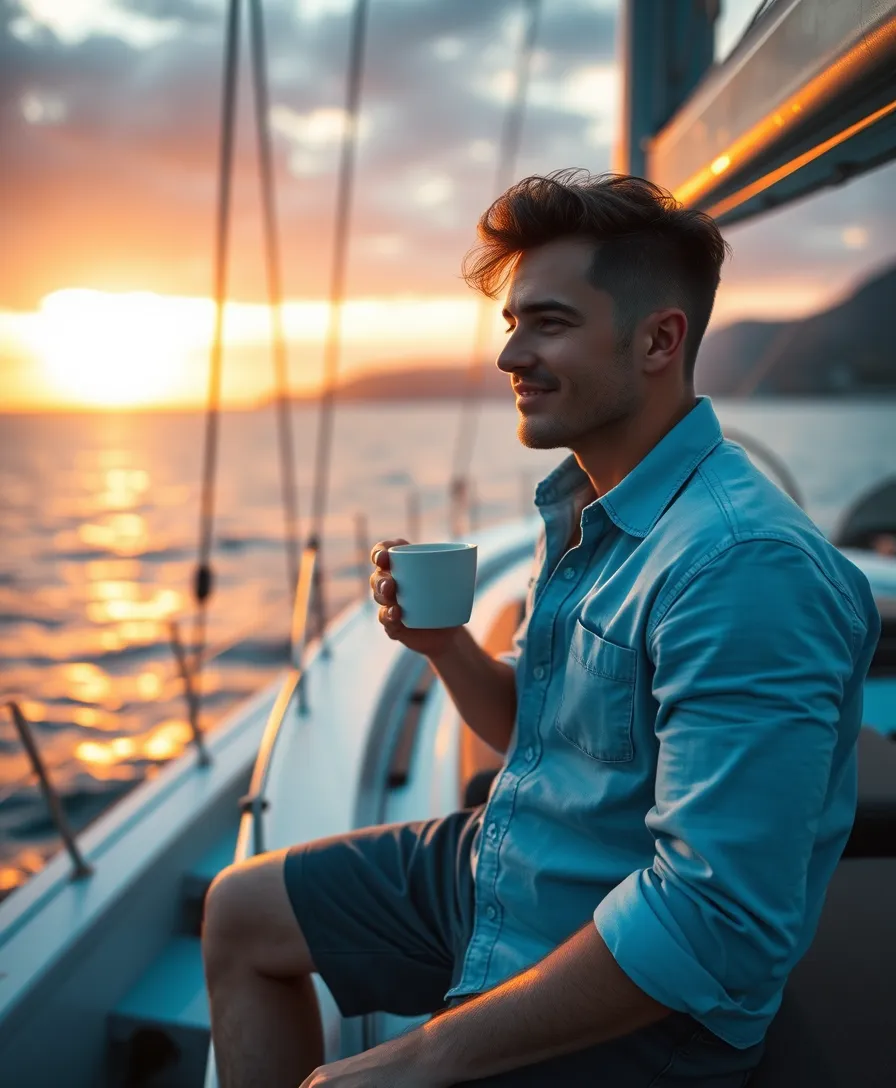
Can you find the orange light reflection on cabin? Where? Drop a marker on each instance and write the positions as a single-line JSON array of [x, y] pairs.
[[817, 90]]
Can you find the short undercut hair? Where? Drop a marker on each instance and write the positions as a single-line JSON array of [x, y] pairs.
[[649, 250]]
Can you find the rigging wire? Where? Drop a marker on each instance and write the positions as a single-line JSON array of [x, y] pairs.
[[275, 297], [508, 152], [333, 342], [203, 578]]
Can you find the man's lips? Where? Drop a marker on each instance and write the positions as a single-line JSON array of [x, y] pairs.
[[528, 389]]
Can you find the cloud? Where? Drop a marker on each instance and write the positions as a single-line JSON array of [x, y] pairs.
[[109, 118], [110, 144]]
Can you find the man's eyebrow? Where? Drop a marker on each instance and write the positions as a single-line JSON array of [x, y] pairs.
[[544, 305]]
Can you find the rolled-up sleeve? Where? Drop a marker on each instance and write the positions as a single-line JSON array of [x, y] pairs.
[[752, 657]]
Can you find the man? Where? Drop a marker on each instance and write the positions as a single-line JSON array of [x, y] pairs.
[[678, 719]]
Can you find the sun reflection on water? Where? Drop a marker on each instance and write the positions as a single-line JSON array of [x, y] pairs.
[[123, 488], [143, 632], [28, 862], [86, 683], [119, 602], [162, 743], [122, 534], [88, 717], [149, 685], [119, 571]]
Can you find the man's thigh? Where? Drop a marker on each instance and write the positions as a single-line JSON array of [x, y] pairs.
[[386, 911], [675, 1052]]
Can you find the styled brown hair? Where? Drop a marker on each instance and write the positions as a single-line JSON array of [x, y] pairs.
[[650, 251]]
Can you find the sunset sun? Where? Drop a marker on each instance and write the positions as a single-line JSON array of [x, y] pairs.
[[111, 351]]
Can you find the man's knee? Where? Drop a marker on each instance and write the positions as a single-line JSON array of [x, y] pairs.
[[225, 915], [248, 921]]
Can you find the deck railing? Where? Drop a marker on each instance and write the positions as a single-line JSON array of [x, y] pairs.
[[255, 803]]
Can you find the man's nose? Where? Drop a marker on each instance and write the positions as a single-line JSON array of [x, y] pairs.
[[514, 356]]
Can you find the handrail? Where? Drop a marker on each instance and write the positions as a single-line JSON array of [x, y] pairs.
[[785, 476], [81, 867], [255, 803]]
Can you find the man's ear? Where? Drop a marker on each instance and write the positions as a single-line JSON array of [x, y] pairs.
[[664, 333]]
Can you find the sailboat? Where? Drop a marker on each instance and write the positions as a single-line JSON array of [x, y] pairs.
[[100, 970]]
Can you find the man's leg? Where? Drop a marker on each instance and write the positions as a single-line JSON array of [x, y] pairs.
[[265, 1018], [375, 912]]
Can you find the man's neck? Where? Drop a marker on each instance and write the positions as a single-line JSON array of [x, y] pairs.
[[610, 455]]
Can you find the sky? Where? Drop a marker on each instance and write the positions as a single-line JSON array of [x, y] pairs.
[[109, 133]]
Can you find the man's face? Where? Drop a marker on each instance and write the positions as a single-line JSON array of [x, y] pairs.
[[570, 378]]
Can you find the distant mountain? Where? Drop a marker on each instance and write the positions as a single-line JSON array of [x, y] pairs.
[[728, 357], [845, 349]]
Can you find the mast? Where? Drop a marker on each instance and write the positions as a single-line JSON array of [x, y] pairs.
[[666, 49]]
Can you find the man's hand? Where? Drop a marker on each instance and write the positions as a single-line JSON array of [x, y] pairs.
[[396, 1064], [431, 643]]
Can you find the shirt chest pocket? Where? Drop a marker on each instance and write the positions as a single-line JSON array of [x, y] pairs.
[[597, 704]]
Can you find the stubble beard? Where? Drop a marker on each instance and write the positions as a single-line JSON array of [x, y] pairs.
[[562, 431], [567, 429], [543, 434]]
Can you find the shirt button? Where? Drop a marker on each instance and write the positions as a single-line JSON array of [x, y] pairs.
[[569, 573], [491, 830], [538, 672], [492, 913], [530, 754]]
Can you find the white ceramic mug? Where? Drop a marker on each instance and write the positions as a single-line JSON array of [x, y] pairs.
[[434, 583]]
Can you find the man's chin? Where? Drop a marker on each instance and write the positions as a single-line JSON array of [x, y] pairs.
[[541, 434]]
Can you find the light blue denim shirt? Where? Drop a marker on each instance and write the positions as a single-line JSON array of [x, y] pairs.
[[683, 769]]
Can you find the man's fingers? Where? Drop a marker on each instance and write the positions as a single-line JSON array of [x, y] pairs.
[[390, 618], [383, 586], [379, 553]]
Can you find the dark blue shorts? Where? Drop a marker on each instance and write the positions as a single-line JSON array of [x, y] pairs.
[[387, 913]]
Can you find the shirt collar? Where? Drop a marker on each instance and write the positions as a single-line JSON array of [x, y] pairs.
[[638, 501]]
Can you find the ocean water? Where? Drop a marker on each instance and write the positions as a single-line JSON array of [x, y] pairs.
[[99, 517]]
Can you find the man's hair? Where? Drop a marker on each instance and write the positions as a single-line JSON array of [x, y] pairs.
[[650, 251]]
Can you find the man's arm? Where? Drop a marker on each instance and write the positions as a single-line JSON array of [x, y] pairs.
[[482, 688], [753, 673], [574, 998]]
